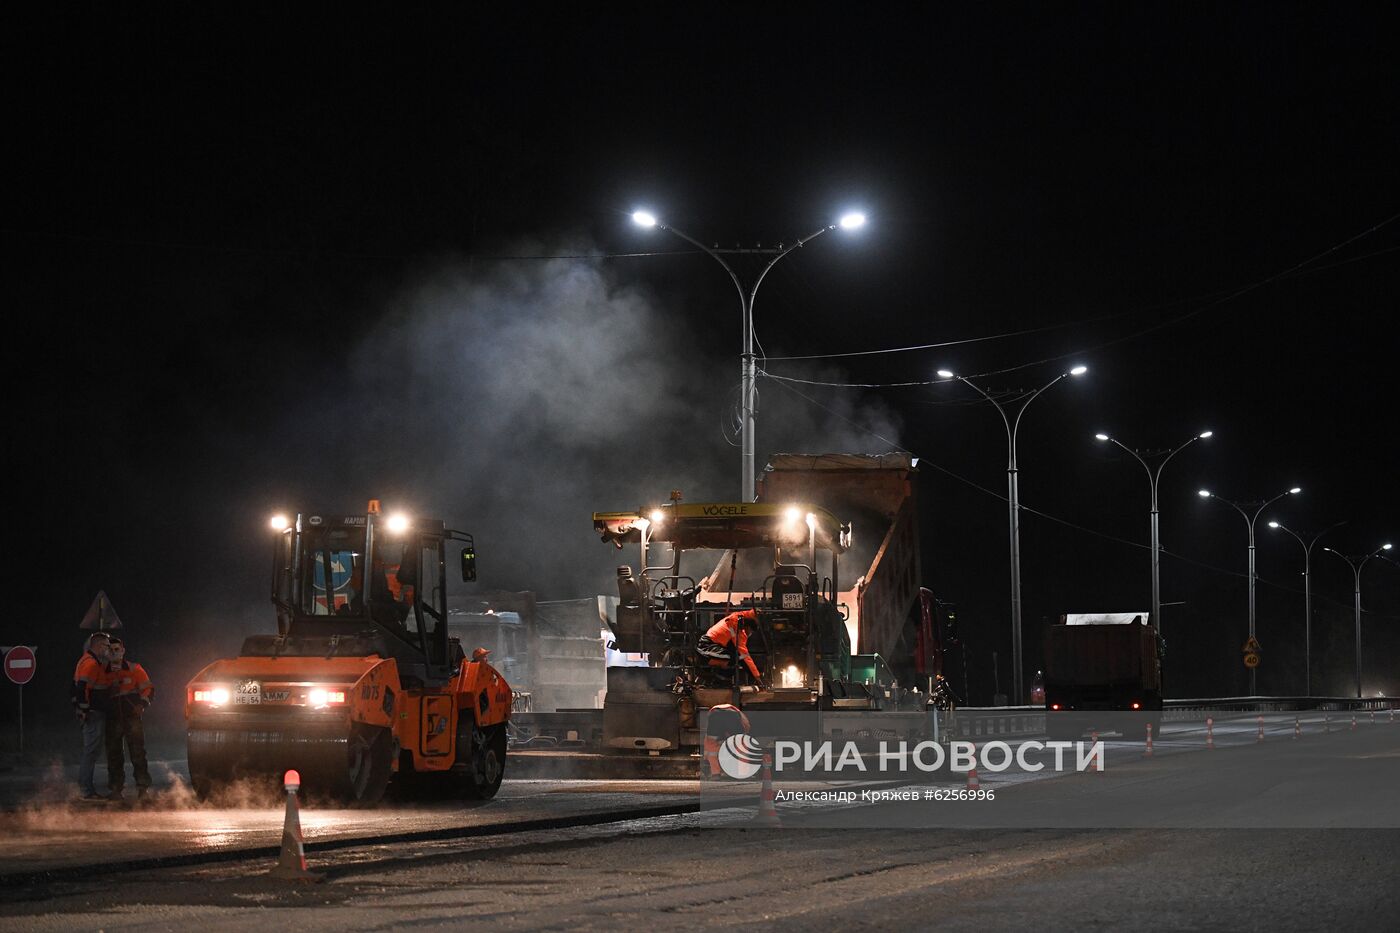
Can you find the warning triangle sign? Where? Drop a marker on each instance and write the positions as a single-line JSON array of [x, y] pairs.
[[100, 615]]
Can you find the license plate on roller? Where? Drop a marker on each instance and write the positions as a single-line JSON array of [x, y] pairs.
[[248, 693]]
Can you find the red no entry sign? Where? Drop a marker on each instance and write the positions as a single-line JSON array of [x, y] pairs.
[[19, 664]]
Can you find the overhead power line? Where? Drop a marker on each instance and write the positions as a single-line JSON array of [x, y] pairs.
[[925, 461], [1215, 299]]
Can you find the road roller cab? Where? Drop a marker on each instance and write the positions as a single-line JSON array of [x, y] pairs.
[[361, 685]]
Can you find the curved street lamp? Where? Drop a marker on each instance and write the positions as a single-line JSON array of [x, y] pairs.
[[1249, 523], [1307, 596], [1014, 505], [850, 221], [1153, 476], [1356, 563]]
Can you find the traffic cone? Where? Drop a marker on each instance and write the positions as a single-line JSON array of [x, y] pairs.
[[1392, 714], [712, 757], [291, 863], [1353, 722], [972, 782], [1098, 756], [767, 813], [1210, 732], [1373, 717], [1297, 729], [1147, 753], [1261, 731]]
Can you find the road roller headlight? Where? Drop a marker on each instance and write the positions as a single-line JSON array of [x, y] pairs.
[[321, 697]]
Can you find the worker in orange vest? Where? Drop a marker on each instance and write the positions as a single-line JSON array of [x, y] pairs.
[[727, 642], [389, 600], [90, 696], [132, 692], [724, 721]]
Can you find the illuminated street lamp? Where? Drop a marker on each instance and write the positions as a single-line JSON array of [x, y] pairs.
[[1152, 478], [1014, 508], [850, 221], [1249, 523], [1356, 563], [1307, 596]]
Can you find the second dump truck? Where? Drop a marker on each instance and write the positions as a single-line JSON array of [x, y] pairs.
[[1102, 663]]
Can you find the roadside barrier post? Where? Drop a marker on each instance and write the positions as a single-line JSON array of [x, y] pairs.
[[1210, 732]]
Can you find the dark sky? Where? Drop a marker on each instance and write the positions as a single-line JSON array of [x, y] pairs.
[[264, 257]]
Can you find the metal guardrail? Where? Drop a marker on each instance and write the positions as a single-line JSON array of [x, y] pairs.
[[1259, 704], [1284, 704], [992, 721]]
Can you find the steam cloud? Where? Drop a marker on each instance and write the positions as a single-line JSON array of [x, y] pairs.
[[516, 402]]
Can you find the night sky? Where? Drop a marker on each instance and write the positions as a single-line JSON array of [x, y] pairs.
[[284, 261]]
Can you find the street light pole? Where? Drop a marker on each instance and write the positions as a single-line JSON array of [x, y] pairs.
[[747, 368], [1307, 597], [1153, 477], [1014, 508], [1356, 563], [1249, 524]]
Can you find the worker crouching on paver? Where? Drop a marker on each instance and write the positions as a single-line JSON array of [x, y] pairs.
[[90, 695], [727, 642], [131, 693]]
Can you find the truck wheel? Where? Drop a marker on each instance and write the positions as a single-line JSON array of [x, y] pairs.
[[370, 757], [203, 788], [482, 755]]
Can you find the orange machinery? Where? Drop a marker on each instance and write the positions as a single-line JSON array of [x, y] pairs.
[[362, 684]]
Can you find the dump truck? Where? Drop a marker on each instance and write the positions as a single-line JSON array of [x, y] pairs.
[[363, 684], [552, 651], [1098, 663]]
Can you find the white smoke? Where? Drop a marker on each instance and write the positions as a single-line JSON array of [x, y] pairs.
[[516, 401]]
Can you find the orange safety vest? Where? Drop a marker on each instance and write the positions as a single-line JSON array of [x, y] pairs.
[[712, 741], [131, 680], [727, 629], [91, 683], [144, 688]]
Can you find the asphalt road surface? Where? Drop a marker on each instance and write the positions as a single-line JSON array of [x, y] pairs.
[[614, 856]]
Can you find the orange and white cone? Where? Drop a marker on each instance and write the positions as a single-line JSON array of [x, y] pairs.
[[291, 863], [712, 757], [1260, 738], [1147, 752], [1210, 732], [1297, 728], [767, 813], [1098, 756], [972, 782]]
